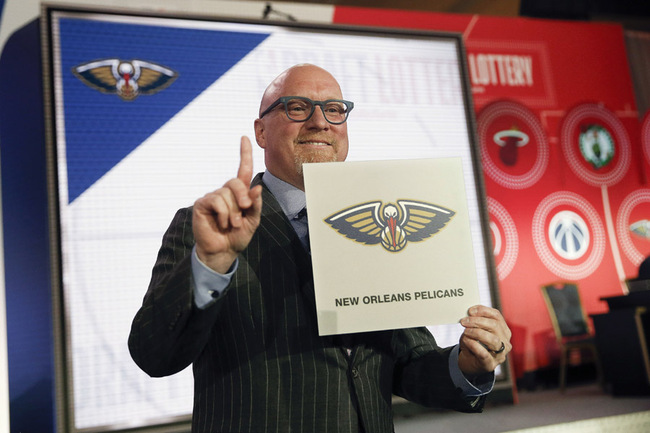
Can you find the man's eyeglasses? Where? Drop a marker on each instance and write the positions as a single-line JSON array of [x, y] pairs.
[[300, 109]]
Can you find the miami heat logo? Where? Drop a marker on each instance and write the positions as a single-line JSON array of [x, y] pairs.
[[509, 140], [391, 225], [127, 79]]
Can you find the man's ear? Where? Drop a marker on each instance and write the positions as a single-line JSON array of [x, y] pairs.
[[259, 133]]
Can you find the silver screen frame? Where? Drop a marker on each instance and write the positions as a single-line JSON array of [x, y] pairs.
[[63, 348]]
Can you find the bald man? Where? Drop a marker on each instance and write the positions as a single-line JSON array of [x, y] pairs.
[[232, 294]]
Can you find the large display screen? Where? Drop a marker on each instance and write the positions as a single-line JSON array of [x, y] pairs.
[[147, 114]]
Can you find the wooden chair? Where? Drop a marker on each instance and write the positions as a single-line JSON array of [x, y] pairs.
[[570, 325], [636, 285]]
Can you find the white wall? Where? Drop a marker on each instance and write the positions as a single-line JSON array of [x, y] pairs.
[[19, 12]]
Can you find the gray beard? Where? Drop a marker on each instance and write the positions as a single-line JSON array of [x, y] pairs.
[[313, 157]]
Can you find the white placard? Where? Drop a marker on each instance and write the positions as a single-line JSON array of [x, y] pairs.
[[391, 244]]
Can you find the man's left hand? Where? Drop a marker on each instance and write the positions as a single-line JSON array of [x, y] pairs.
[[485, 343]]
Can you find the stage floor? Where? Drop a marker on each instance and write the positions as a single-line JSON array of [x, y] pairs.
[[579, 409]]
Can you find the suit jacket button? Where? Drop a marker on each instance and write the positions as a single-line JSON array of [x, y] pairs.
[[355, 373]]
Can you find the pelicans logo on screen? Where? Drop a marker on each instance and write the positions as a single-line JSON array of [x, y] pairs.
[[125, 78], [391, 225]]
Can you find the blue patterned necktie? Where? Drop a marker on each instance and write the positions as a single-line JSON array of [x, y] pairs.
[[301, 228]]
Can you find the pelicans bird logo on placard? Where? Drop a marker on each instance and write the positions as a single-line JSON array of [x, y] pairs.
[[126, 78], [391, 225]]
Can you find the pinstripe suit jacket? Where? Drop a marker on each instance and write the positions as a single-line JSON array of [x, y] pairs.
[[258, 362]]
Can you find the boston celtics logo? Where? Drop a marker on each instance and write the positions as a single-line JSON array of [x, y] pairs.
[[596, 145]]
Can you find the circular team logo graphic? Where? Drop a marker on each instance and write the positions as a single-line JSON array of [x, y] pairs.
[[645, 136], [596, 145], [633, 225], [504, 238], [509, 141], [513, 145], [568, 235]]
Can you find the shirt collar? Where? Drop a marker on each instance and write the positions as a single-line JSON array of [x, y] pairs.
[[291, 199]]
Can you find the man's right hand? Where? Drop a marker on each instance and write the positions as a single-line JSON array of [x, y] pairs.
[[225, 220]]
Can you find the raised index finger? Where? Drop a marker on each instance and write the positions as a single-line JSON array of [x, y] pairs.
[[245, 172]]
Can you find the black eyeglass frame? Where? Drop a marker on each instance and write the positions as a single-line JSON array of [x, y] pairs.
[[284, 99]]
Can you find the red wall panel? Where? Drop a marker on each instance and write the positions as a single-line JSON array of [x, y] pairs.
[[564, 155]]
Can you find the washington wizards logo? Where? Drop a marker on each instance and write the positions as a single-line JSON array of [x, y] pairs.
[[391, 225], [569, 235], [126, 78]]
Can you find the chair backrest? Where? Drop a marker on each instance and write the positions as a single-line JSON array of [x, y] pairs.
[[636, 285], [565, 308]]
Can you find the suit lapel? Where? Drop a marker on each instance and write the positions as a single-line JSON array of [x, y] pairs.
[[275, 225], [274, 222]]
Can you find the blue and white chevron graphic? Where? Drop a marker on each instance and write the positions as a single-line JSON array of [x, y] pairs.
[[99, 130]]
